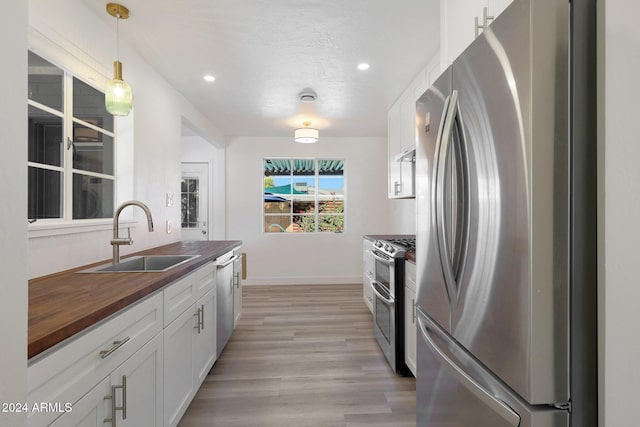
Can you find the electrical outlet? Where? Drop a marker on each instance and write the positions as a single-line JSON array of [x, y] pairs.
[[168, 227], [169, 200]]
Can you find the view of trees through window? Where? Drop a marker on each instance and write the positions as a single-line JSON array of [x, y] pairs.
[[303, 195]]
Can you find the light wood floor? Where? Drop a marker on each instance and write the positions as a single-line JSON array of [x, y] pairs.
[[303, 356]]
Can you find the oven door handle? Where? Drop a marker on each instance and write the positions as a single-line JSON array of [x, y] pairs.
[[388, 301], [379, 258]]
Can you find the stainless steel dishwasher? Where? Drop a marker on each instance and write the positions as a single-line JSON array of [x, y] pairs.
[[224, 297]]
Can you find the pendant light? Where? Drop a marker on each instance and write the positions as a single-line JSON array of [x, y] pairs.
[[306, 135], [118, 97]]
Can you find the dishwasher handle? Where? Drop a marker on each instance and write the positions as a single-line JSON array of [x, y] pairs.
[[227, 262]]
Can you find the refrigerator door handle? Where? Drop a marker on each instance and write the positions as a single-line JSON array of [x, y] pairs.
[[462, 219], [448, 121], [467, 381]]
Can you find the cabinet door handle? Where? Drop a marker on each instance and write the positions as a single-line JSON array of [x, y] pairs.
[[116, 345], [413, 309], [202, 317], [114, 406], [111, 420], [198, 320], [124, 397], [485, 21]]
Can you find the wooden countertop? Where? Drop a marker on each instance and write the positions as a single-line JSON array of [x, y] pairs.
[[65, 303]]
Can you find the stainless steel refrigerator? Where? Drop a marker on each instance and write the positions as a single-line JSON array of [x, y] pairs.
[[505, 231]]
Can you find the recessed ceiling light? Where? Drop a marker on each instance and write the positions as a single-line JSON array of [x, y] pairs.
[[209, 78], [363, 66]]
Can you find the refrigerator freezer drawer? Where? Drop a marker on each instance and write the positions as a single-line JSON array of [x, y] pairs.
[[454, 389]]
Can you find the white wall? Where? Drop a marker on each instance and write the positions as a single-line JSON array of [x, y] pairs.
[[13, 212], [619, 212], [86, 43], [282, 258], [196, 149]]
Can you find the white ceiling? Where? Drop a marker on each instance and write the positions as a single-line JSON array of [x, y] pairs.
[[264, 52]]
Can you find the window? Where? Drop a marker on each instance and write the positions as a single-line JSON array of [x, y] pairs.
[[303, 195], [71, 171]]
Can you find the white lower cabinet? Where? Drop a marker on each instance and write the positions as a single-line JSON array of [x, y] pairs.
[[204, 354], [178, 366], [65, 375], [135, 369], [91, 410], [130, 396], [410, 329], [368, 266], [137, 387], [238, 268], [190, 350]]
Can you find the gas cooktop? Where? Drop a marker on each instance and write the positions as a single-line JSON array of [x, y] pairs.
[[407, 243], [395, 247]]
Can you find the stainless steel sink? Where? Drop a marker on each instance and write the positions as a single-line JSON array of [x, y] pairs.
[[147, 264]]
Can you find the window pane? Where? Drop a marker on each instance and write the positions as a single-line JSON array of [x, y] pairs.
[[303, 223], [92, 197], [304, 189], [331, 223], [92, 150], [45, 193], [45, 82], [276, 223], [45, 137], [88, 105]]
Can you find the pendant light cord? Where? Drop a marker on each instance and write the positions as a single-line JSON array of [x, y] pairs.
[[118, 36]]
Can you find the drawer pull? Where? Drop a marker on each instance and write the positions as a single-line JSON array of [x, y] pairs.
[[116, 345]]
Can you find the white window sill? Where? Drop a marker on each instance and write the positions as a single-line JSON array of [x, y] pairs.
[[46, 229]]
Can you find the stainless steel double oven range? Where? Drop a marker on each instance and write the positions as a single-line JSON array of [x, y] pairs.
[[388, 298]]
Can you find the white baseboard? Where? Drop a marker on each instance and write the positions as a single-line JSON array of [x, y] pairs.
[[325, 280]]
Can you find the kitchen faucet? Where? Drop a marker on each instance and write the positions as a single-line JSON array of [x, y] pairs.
[[117, 241]]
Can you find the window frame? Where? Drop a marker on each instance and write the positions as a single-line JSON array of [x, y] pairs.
[[84, 68], [316, 212]]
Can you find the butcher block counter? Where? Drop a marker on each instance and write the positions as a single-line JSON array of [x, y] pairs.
[[68, 302]]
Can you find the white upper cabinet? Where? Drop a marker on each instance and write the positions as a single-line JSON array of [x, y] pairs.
[[461, 21], [402, 133], [498, 6]]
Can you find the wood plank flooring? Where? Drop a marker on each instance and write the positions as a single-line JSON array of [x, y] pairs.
[[303, 356]]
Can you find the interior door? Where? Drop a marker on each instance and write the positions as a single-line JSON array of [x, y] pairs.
[[194, 199]]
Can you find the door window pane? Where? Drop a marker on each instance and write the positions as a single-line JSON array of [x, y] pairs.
[[45, 82], [45, 193], [45, 137], [190, 200], [92, 197]]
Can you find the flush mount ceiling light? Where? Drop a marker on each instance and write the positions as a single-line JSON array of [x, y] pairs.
[[306, 135], [209, 78], [307, 96], [118, 97], [363, 66]]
